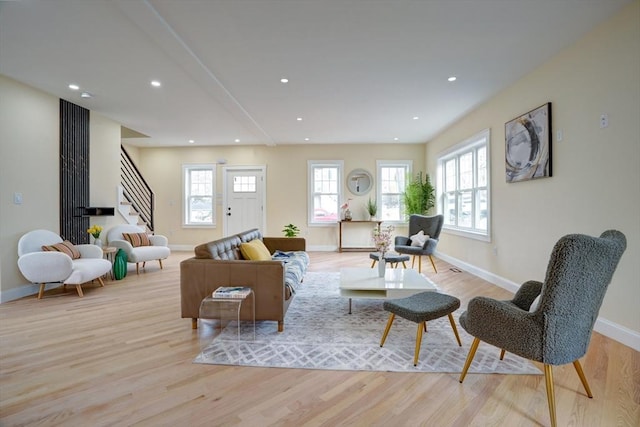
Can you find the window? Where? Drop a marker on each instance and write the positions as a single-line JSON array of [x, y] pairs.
[[463, 187], [199, 185], [325, 191], [392, 179]]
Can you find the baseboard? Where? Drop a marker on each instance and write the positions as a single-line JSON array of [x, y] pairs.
[[182, 248], [322, 248], [24, 291], [603, 326]]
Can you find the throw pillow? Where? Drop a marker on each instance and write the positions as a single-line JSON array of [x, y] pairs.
[[419, 239], [535, 304], [65, 247], [255, 250], [137, 239]]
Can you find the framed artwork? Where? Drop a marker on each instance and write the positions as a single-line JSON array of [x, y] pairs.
[[528, 145]]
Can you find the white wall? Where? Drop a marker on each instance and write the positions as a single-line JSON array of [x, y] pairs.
[[596, 172], [29, 144]]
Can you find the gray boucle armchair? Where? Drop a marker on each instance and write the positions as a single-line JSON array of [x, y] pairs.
[[558, 330], [431, 226]]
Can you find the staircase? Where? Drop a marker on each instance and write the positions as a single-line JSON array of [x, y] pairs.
[[135, 197]]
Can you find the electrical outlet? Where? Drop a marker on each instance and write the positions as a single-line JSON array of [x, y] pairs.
[[559, 135], [17, 198], [495, 250], [604, 120]]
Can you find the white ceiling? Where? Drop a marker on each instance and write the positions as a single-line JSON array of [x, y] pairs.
[[358, 70]]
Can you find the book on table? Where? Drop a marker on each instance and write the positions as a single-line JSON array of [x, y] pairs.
[[231, 292]]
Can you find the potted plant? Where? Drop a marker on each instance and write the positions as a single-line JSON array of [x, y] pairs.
[[291, 230], [372, 208], [419, 196]]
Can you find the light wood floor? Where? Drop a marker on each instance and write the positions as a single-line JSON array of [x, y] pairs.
[[122, 356]]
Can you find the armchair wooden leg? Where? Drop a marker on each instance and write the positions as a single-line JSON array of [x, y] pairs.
[[41, 291], [420, 264], [160, 261], [101, 282], [418, 343], [585, 384], [79, 289], [551, 399], [404, 264], [386, 330], [433, 264], [455, 330], [194, 323], [280, 325], [502, 352], [413, 261], [472, 353], [373, 263], [137, 268]]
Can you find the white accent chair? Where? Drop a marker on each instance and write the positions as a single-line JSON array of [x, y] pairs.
[[42, 267], [141, 254]]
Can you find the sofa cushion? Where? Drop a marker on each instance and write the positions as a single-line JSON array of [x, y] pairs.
[[137, 239], [255, 250], [65, 247]]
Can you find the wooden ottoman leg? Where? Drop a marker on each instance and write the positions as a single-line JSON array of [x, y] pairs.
[[421, 325], [386, 330], [455, 330]]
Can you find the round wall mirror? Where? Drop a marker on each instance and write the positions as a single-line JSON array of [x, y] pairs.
[[359, 182]]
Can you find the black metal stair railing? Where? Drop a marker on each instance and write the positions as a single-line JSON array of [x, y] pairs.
[[136, 190]]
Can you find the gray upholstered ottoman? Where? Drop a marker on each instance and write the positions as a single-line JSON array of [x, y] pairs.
[[391, 258], [420, 308]]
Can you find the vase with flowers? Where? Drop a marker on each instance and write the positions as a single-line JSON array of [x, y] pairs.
[[346, 212], [382, 242], [95, 231]]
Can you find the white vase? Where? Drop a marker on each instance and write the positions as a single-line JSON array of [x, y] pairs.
[[98, 242], [381, 266]]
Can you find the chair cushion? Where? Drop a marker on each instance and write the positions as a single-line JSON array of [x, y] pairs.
[[255, 250], [137, 239], [65, 247], [419, 239]]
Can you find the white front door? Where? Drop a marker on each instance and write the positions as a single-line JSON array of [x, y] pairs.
[[243, 199]]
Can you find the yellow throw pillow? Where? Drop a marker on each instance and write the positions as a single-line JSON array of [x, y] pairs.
[[255, 250]]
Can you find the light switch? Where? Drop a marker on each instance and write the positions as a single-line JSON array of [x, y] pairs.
[[17, 198]]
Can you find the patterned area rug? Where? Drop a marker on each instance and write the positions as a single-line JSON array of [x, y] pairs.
[[320, 334]]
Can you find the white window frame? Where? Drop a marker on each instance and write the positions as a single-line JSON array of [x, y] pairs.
[[186, 171], [311, 166], [380, 164], [469, 145]]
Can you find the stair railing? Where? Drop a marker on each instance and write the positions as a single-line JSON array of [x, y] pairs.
[[136, 190]]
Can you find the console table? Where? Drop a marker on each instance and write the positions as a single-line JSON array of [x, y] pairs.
[[367, 249]]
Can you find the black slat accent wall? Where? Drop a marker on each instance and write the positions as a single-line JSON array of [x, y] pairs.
[[74, 172]]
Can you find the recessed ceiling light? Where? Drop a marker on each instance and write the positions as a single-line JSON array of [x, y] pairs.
[[415, 117], [395, 139], [452, 78], [236, 140], [86, 95], [191, 141], [74, 86], [306, 139], [299, 119], [155, 83], [284, 80]]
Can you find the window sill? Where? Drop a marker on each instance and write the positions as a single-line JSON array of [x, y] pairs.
[[467, 233]]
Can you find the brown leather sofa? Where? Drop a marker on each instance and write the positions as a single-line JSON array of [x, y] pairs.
[[220, 263]]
